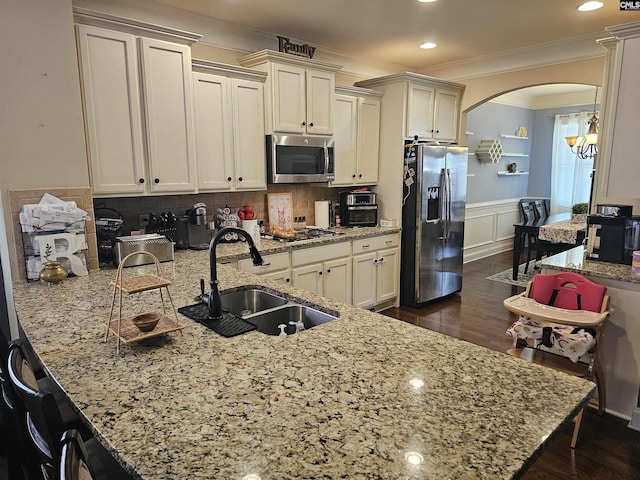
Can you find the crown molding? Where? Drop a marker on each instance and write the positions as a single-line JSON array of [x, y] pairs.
[[519, 98], [549, 53], [104, 20], [626, 30]]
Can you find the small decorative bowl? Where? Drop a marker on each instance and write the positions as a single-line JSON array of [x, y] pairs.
[[146, 321]]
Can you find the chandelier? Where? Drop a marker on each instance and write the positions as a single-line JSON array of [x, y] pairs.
[[586, 146]]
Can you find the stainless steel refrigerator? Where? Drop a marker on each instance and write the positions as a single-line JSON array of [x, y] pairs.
[[435, 189]]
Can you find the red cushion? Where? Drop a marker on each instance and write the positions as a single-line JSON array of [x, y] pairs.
[[569, 286]]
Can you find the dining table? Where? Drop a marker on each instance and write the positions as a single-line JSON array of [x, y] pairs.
[[558, 232]]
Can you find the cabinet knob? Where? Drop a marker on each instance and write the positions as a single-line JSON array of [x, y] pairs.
[[360, 176], [311, 124], [287, 280], [319, 273], [328, 270], [437, 131], [228, 179], [156, 180], [141, 180], [239, 179], [381, 260], [353, 176], [304, 123]]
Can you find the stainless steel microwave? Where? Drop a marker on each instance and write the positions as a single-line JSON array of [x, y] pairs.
[[299, 158]]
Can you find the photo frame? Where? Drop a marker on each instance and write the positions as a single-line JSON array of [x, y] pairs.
[[280, 206]]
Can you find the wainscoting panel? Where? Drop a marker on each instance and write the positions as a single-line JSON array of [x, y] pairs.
[[489, 228]]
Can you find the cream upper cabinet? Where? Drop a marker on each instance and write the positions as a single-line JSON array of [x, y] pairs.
[[299, 95], [432, 112], [356, 136], [229, 120], [166, 80], [138, 106], [113, 117]]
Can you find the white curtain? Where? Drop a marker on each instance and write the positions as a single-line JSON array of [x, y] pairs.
[[570, 175]]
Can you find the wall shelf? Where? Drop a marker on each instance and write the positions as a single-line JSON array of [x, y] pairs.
[[505, 173], [507, 135], [508, 154]]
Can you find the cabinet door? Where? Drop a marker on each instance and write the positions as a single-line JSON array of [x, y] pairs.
[[364, 280], [110, 84], [337, 280], [166, 76], [289, 102], [345, 137], [420, 111], [320, 93], [308, 278], [387, 275], [368, 140], [213, 132], [248, 131], [446, 114], [281, 276]]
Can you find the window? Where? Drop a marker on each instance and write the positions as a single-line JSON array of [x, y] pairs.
[[570, 175]]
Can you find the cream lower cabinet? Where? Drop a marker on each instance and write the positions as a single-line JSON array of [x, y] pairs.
[[324, 270], [376, 267], [276, 267], [229, 121], [138, 112]]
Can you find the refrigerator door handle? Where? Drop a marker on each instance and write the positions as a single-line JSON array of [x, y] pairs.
[[447, 222]]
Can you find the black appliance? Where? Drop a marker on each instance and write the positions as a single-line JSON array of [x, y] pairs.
[[358, 209], [299, 158], [612, 234]]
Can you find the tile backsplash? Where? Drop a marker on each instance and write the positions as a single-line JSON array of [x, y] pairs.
[[131, 208]]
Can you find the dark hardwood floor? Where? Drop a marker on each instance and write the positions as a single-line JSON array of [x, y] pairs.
[[607, 448]]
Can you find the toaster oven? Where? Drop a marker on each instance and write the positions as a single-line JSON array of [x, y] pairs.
[[358, 209]]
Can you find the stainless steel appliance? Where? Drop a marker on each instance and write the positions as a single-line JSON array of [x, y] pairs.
[[158, 245], [435, 188], [358, 209], [197, 227], [299, 158]]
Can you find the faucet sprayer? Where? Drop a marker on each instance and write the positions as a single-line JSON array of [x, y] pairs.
[[212, 299]]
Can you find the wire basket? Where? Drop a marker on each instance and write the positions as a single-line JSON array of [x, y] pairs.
[[108, 227], [108, 224]]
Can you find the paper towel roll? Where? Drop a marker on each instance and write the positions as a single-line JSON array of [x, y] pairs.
[[322, 213]]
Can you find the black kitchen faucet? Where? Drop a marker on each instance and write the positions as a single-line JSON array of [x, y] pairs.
[[212, 299]]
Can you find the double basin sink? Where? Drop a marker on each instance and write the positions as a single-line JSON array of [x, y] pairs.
[[270, 313]]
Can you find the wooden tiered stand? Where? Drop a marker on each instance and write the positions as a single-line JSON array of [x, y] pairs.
[[124, 328]]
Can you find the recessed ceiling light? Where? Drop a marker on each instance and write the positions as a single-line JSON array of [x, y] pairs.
[[588, 6], [428, 45]]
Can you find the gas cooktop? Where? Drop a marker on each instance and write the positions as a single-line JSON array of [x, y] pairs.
[[307, 234]]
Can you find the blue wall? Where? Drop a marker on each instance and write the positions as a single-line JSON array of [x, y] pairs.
[[488, 121]]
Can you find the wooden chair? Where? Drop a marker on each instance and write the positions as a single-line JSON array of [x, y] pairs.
[[74, 463], [45, 425], [563, 315], [40, 414], [531, 213]]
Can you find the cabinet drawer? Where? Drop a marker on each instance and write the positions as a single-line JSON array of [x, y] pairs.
[[320, 254], [275, 262], [375, 243]]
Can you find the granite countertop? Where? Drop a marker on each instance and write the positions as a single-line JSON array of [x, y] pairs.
[[355, 397], [574, 261]]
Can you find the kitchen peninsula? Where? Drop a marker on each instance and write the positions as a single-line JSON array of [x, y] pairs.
[[363, 396]]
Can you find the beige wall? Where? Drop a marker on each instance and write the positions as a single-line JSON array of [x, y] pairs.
[[41, 129]]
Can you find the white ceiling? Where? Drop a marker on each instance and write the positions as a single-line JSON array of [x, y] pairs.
[[390, 31]]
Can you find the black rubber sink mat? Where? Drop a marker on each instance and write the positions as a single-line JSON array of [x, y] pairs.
[[228, 326]]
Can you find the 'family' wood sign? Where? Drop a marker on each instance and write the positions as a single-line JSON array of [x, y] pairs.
[[285, 46]]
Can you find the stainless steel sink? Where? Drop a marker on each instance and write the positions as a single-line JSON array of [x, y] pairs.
[[268, 322], [247, 302]]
